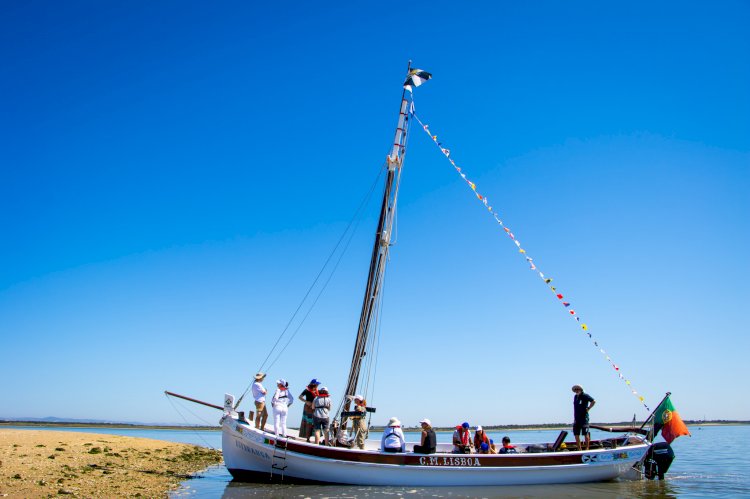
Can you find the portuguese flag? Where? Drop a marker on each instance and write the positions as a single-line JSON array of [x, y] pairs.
[[669, 422]]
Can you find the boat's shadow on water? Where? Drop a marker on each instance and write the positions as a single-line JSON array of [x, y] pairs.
[[620, 489], [217, 482]]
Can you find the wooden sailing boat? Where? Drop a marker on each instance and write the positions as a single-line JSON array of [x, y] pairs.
[[251, 454], [254, 455]]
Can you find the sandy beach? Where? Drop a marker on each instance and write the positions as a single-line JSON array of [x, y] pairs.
[[41, 463]]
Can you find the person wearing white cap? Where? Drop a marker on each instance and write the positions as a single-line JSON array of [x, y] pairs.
[[360, 422], [393, 437], [480, 437], [259, 395], [321, 409], [280, 403], [429, 439]]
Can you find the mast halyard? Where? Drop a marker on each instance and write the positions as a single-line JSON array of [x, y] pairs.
[[379, 258]]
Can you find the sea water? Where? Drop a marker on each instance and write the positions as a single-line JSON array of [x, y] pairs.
[[714, 462]]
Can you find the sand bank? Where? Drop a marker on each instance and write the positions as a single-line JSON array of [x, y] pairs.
[[41, 463]]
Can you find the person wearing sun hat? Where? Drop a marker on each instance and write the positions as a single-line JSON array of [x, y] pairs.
[[393, 437], [259, 395], [582, 404], [429, 439]]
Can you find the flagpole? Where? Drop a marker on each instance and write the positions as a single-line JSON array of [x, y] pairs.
[[657, 408], [379, 256]]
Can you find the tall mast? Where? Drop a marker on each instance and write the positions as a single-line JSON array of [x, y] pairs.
[[394, 162]]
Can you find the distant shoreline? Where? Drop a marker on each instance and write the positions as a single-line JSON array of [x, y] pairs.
[[529, 427], [113, 426]]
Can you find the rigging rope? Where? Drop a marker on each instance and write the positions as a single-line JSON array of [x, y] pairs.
[[330, 276], [373, 342], [547, 280], [355, 217], [188, 424]]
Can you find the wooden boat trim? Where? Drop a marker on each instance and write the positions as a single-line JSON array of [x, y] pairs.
[[441, 459]]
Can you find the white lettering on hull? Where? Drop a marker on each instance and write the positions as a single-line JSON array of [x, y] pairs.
[[614, 456], [449, 461], [252, 451]]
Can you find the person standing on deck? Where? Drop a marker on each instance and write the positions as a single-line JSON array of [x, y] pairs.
[[360, 422], [307, 396], [321, 421], [259, 395], [582, 404], [280, 403]]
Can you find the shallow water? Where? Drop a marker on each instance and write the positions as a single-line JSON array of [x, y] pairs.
[[713, 462]]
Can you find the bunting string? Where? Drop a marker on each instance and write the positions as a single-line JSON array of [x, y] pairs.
[[530, 261]]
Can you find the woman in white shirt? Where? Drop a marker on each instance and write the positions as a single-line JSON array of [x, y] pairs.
[[393, 437], [280, 403]]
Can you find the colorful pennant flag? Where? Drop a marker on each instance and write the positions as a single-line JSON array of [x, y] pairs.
[[421, 77]]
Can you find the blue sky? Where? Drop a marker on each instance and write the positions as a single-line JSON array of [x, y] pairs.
[[174, 174]]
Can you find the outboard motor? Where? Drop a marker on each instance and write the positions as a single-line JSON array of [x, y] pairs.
[[658, 460]]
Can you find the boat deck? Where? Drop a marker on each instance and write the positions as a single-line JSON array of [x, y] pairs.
[[372, 445]]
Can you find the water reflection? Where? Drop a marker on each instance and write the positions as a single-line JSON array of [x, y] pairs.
[[216, 482], [655, 490]]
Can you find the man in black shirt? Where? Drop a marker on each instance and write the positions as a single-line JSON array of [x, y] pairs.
[[582, 404]]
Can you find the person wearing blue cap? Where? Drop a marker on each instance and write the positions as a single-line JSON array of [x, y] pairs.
[[462, 439], [307, 396]]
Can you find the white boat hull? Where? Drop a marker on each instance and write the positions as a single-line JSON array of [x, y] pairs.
[[252, 455]]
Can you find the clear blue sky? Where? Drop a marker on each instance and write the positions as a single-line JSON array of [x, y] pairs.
[[174, 174]]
